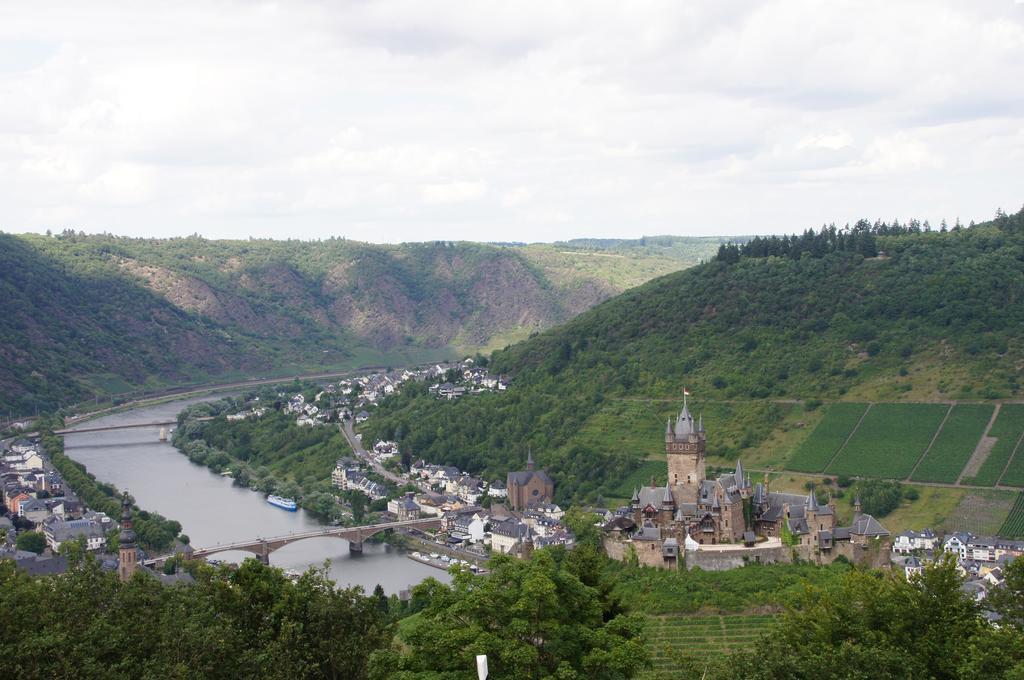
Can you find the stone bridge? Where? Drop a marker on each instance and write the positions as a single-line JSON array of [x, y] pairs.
[[262, 547]]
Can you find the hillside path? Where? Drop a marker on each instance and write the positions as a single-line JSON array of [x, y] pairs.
[[982, 450]]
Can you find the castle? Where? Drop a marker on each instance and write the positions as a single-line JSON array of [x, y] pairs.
[[667, 526]]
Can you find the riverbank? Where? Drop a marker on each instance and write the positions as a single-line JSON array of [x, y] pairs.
[[213, 511]]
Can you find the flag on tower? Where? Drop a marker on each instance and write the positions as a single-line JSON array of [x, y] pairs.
[[686, 392]]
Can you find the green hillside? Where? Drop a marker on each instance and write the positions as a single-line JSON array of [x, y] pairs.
[[85, 315], [878, 312]]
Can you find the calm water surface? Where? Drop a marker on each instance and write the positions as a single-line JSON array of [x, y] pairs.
[[212, 510]]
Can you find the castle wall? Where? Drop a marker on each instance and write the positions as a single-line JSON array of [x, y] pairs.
[[722, 560], [615, 547]]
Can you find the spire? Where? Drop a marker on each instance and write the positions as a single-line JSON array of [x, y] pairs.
[[700, 423], [739, 472], [529, 459], [666, 498], [684, 423], [127, 536], [668, 427], [636, 496], [812, 500], [856, 506]]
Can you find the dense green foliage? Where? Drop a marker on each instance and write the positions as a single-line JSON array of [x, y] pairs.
[[817, 450], [877, 625], [155, 532], [878, 497], [270, 453], [32, 541], [889, 440], [759, 328], [540, 618], [956, 442], [94, 315], [1007, 431], [249, 623], [658, 591]]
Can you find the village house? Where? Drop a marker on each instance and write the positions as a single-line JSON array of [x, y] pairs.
[[506, 534], [58, 532], [404, 508], [912, 541], [469, 524]]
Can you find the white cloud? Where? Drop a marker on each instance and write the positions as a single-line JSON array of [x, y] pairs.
[[401, 120]]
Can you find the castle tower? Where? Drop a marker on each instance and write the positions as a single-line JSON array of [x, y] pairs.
[[684, 448], [126, 552]]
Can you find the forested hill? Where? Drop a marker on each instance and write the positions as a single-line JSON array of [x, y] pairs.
[[83, 315], [925, 315]]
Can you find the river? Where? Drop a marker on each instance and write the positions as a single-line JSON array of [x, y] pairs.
[[213, 511]]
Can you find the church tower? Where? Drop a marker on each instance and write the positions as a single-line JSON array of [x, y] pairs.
[[127, 552], [684, 448]]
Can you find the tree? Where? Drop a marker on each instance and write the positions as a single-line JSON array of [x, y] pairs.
[[877, 625], [1008, 600], [32, 541], [532, 618], [358, 503]]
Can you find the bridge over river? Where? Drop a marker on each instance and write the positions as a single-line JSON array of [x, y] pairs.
[[262, 547], [123, 426]]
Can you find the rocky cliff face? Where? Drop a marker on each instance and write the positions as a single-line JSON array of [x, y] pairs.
[[86, 314]]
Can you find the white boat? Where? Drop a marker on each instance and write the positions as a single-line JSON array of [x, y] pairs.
[[417, 555], [283, 503]]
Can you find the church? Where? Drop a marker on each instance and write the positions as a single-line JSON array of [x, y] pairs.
[[662, 523]]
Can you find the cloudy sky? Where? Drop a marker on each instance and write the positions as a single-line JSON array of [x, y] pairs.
[[409, 120]]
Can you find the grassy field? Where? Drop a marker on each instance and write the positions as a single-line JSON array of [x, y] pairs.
[[980, 511], [671, 640], [889, 440], [956, 442], [821, 445], [1007, 432], [1013, 527]]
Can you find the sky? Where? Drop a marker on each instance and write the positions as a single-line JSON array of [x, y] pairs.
[[404, 120]]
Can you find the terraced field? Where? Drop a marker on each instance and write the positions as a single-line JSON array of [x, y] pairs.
[[953, 447], [1007, 431], [821, 445], [1013, 527], [673, 639], [1014, 475], [889, 440]]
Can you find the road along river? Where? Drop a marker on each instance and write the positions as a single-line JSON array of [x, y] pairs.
[[212, 510]]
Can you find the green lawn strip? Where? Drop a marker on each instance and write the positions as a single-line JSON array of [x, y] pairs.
[[1007, 432], [890, 440], [1013, 526], [955, 444], [1014, 475], [821, 445]]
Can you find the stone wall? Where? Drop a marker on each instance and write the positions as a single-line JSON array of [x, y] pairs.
[[721, 560]]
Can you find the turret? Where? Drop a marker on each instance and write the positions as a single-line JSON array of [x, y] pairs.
[[529, 460], [126, 542], [856, 506], [666, 498], [812, 501]]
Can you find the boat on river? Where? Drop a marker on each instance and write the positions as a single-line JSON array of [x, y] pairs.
[[283, 503]]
